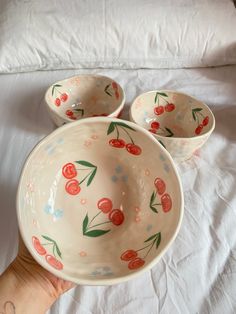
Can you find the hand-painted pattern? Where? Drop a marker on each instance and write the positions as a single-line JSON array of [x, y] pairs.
[[165, 202], [112, 89], [119, 142], [133, 256], [60, 97], [198, 116], [159, 109], [54, 249]]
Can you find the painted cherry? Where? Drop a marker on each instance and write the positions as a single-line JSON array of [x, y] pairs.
[[38, 247], [114, 85], [205, 121], [69, 171], [169, 107], [159, 110], [105, 205], [73, 118], [117, 94], [72, 187], [155, 125], [118, 143], [166, 202], [54, 262], [136, 263], [69, 113], [154, 131], [133, 149], [57, 102], [160, 186], [129, 255], [199, 129], [64, 97], [116, 216]]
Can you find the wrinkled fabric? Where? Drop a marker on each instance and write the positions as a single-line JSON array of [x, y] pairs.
[[198, 272], [49, 35]]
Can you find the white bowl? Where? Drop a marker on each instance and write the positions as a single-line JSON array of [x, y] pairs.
[[99, 201], [84, 96], [181, 123]]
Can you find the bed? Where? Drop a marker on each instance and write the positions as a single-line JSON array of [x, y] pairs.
[[198, 272]]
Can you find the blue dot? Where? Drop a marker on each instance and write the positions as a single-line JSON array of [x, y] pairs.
[[48, 209], [118, 169], [114, 178]]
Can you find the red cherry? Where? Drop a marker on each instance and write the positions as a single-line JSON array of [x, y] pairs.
[[54, 262], [72, 187], [136, 263], [169, 107], [129, 255], [166, 202], [118, 143], [116, 216], [69, 113], [69, 171], [155, 125], [64, 97], [57, 102], [114, 85], [153, 131], [160, 186], [105, 205], [159, 110], [73, 118], [38, 247], [133, 149], [199, 129], [117, 94], [205, 121]]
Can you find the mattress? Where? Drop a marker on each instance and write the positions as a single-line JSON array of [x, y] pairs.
[[198, 273]]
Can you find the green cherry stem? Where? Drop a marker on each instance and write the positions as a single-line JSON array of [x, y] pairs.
[[117, 132], [149, 249], [163, 99], [58, 91], [94, 218], [102, 223], [47, 243], [143, 247], [128, 135], [85, 177]]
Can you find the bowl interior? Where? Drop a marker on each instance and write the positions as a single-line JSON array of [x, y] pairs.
[[85, 96], [88, 208], [172, 114]]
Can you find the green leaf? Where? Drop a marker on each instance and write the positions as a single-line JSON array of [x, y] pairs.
[[154, 209], [158, 240], [197, 109], [152, 237], [152, 198], [170, 132], [53, 88], [124, 125], [155, 100], [107, 87], [80, 110], [108, 93], [161, 143], [162, 94], [58, 251], [91, 177], [111, 128], [194, 116], [85, 223], [85, 163], [95, 233], [47, 238]]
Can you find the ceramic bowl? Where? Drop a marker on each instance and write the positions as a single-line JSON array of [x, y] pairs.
[[84, 96], [181, 123], [101, 209]]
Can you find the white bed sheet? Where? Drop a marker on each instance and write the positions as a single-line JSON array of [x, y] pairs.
[[198, 273]]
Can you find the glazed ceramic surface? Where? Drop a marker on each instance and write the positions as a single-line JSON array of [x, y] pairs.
[[84, 96], [181, 123], [99, 201]]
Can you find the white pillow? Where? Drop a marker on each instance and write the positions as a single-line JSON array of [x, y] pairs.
[[44, 35]]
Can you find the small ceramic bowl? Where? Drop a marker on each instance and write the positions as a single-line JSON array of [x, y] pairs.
[[181, 123], [84, 96], [101, 209]]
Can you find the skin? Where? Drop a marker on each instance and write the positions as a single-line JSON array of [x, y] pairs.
[[26, 287]]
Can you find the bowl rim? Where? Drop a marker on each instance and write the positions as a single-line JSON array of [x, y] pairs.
[[106, 281], [161, 137], [52, 108]]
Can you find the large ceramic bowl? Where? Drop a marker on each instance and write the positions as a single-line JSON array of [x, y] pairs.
[[181, 123], [99, 201], [84, 96]]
